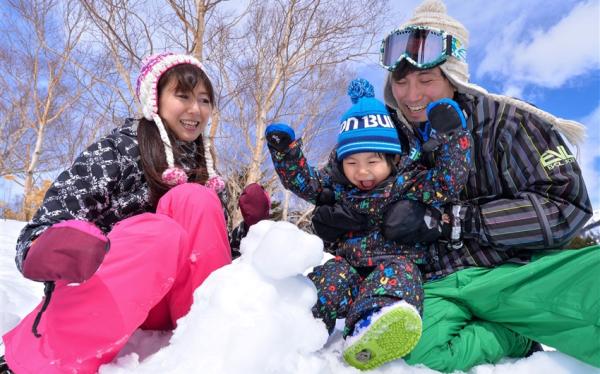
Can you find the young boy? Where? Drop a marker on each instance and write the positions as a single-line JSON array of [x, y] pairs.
[[372, 282]]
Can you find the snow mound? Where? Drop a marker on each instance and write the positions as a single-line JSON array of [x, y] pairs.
[[251, 316]]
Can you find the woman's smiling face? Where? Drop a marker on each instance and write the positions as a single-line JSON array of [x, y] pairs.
[[186, 113]]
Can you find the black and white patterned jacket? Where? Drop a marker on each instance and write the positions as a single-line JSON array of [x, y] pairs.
[[105, 185]]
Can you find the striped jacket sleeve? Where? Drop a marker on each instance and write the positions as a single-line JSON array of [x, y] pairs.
[[539, 200]]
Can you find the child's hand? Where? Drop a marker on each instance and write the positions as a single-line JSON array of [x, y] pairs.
[[69, 250], [279, 136], [445, 116]]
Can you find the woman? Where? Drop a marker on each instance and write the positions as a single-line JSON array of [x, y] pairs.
[[135, 222]]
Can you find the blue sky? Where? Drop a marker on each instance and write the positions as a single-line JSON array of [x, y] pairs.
[[545, 52]]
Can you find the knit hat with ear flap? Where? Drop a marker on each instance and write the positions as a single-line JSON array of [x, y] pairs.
[[432, 13], [153, 67]]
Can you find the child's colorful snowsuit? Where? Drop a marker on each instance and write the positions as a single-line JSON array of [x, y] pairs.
[[369, 271]]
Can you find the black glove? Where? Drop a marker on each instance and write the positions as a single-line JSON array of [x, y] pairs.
[[279, 136], [444, 117], [332, 221], [410, 222], [325, 197]]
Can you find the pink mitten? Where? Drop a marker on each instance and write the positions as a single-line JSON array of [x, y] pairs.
[[69, 250]]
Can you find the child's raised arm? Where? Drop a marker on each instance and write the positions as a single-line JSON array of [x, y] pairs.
[[452, 143], [290, 164]]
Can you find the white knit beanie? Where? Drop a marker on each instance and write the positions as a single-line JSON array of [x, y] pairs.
[[153, 67], [432, 13]]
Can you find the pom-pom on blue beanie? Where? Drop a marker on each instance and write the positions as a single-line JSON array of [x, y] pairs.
[[367, 125]]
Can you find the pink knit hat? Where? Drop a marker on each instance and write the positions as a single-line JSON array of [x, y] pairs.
[[153, 67]]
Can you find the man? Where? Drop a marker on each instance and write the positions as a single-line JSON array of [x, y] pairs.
[[525, 195]]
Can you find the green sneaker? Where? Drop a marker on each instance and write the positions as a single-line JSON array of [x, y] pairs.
[[392, 333]]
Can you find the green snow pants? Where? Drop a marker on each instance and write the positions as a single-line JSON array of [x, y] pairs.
[[479, 315]]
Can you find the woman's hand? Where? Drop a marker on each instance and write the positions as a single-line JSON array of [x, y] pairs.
[[71, 251]]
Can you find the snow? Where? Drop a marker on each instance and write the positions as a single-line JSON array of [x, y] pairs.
[[252, 316], [588, 230]]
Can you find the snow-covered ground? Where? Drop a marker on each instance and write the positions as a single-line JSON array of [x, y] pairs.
[[249, 317]]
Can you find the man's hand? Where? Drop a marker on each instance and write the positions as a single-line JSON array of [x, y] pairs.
[[410, 222], [330, 222]]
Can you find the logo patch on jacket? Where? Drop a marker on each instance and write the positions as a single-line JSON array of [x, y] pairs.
[[551, 159]]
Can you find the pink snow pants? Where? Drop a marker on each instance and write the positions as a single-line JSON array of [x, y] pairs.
[[147, 280]]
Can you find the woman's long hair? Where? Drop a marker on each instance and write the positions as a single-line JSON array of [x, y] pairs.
[[152, 148]]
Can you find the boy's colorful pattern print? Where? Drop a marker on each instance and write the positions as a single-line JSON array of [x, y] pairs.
[[390, 269], [344, 293], [438, 185]]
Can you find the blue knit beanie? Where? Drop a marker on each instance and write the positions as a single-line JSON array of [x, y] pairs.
[[367, 126]]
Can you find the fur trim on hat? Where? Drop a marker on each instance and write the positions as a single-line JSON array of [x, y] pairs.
[[574, 132]]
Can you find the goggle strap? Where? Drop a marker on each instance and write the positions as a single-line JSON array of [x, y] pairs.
[[449, 40]]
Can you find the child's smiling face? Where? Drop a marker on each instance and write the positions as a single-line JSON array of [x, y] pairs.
[[366, 170]]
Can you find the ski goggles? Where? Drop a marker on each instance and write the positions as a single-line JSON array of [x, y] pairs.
[[423, 47]]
